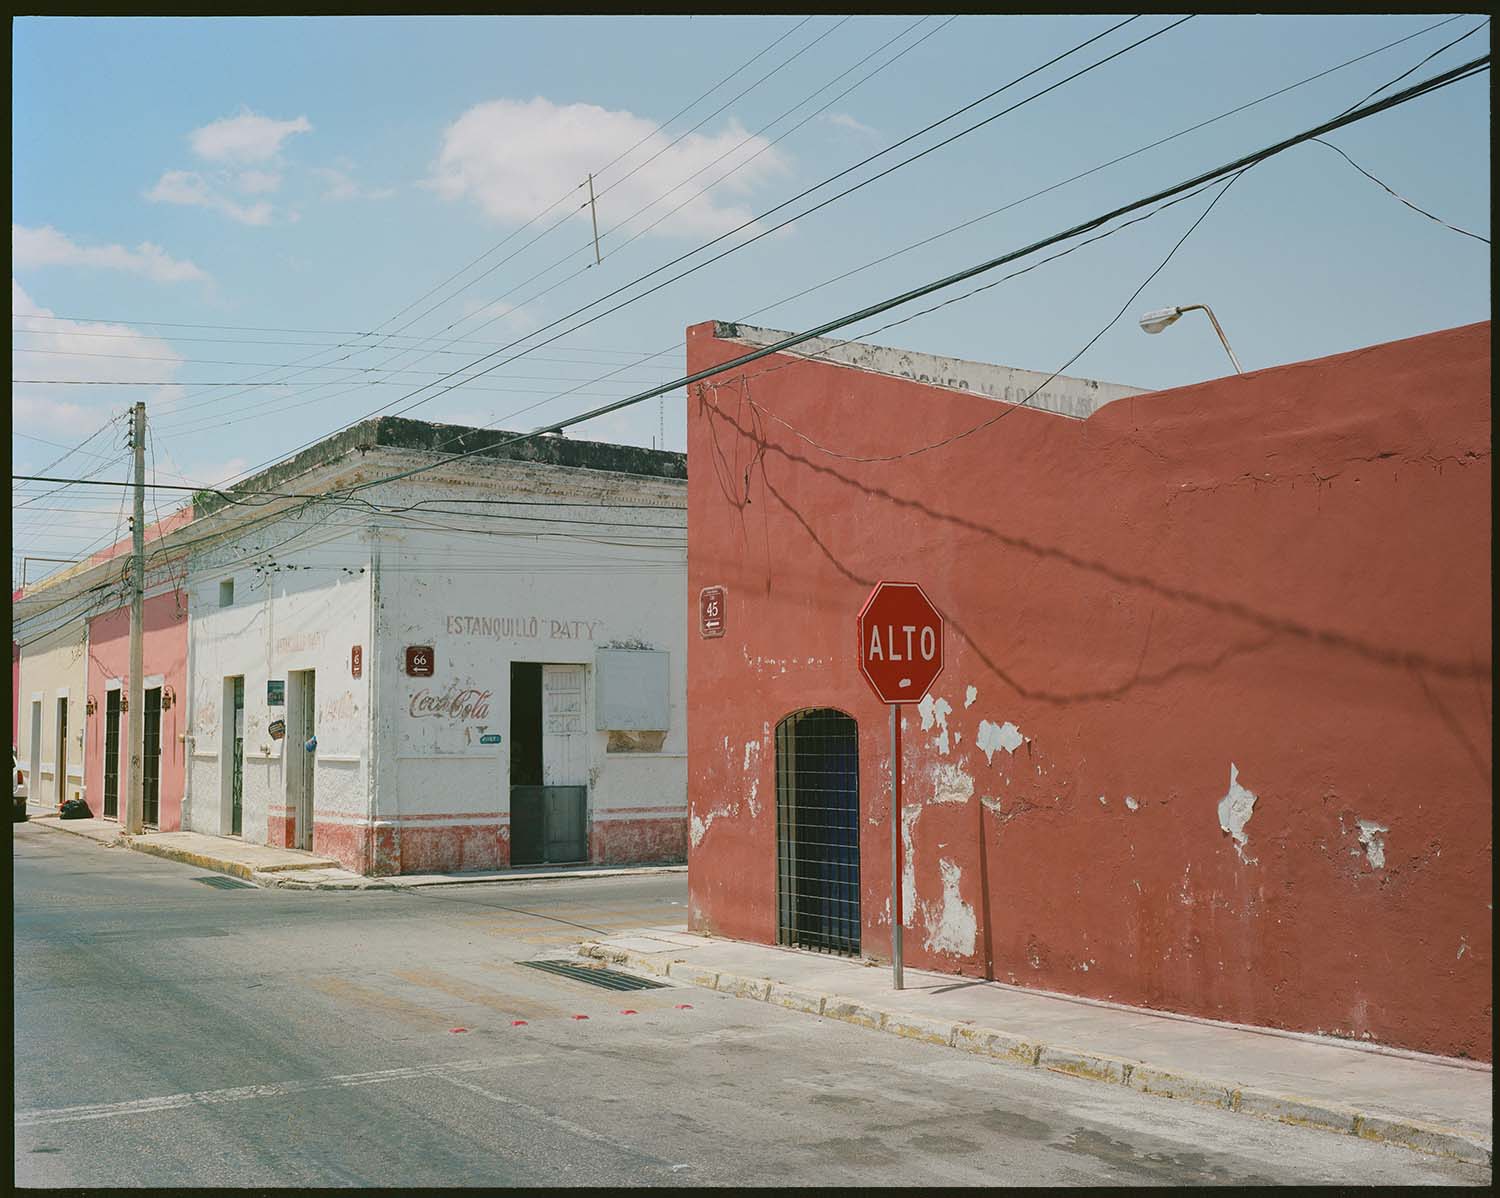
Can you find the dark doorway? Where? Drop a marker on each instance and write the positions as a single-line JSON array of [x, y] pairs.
[[151, 767], [548, 808], [237, 761], [817, 831], [301, 718], [62, 751], [112, 754]]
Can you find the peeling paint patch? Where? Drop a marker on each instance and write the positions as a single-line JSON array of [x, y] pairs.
[[954, 929], [1369, 836], [1132, 804], [970, 694], [998, 736], [936, 711], [1103, 802], [1235, 810], [950, 784], [909, 815], [752, 762], [698, 826]]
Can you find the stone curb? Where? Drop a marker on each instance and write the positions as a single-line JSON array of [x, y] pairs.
[[57, 825], [282, 877], [201, 860], [266, 878], [1014, 1049]]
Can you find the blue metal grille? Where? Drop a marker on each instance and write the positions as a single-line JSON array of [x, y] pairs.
[[817, 831]]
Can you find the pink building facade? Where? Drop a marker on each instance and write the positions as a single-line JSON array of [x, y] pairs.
[[106, 711]]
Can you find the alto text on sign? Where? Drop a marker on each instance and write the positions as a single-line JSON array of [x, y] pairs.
[[900, 642]]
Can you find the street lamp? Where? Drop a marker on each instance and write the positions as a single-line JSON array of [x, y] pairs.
[[1155, 322]]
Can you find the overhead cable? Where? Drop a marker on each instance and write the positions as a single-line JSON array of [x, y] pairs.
[[1432, 84]]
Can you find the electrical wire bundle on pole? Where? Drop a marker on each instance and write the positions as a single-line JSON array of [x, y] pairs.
[[135, 795]]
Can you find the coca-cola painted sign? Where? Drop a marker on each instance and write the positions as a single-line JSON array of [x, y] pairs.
[[456, 704]]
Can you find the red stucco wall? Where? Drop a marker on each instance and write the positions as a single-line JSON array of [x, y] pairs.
[[164, 652], [1285, 573]]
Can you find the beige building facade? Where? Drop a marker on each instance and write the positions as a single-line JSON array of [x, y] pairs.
[[53, 695]]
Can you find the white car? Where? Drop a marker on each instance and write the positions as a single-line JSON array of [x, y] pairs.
[[20, 786]]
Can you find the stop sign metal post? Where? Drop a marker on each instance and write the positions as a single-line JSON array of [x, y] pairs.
[[900, 654]]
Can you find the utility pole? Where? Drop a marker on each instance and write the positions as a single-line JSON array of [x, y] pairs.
[[594, 216], [135, 794]]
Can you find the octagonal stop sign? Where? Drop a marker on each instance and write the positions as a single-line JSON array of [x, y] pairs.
[[900, 642]]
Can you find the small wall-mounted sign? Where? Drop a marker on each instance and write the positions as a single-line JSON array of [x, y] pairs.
[[711, 611], [357, 661], [490, 738], [276, 692], [419, 661], [277, 729]]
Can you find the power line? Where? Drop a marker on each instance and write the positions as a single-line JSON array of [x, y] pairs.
[[386, 508], [843, 21], [471, 282], [704, 190], [739, 166], [1036, 194], [781, 136], [657, 129], [1095, 169], [1419, 65], [70, 333], [1445, 79], [1434, 83], [968, 294], [1386, 187], [895, 145], [576, 274], [774, 228]]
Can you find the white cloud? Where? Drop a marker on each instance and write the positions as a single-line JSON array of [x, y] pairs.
[[246, 150], [244, 138], [49, 409], [514, 159], [258, 182], [343, 186], [192, 189], [844, 121], [47, 247]]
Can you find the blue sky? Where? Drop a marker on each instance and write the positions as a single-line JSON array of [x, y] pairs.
[[322, 174]]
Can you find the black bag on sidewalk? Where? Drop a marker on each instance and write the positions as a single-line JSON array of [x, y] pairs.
[[75, 809]]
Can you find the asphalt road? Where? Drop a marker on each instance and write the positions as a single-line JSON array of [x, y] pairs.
[[171, 1033]]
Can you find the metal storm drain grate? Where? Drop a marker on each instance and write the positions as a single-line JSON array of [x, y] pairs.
[[607, 979], [224, 882]]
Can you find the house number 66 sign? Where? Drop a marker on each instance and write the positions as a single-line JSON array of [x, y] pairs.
[[419, 661]]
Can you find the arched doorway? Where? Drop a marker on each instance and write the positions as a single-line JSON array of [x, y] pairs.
[[817, 831]]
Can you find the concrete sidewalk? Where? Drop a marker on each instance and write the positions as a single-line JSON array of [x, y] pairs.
[[293, 869], [1427, 1103]]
